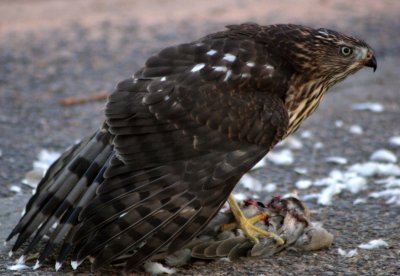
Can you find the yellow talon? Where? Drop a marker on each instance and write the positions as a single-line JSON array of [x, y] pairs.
[[246, 224]]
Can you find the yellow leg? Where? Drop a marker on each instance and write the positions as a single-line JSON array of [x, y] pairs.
[[247, 226], [252, 220]]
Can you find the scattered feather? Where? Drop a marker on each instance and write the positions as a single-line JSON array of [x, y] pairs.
[[240, 196], [17, 267], [393, 196], [310, 196], [251, 183], [325, 197], [390, 182], [271, 187], [356, 129], [302, 171], [156, 268], [359, 201], [44, 160], [33, 177], [356, 184], [383, 155], [15, 189], [339, 123], [347, 254], [318, 145], [369, 106], [292, 143], [368, 169], [337, 160], [303, 184], [178, 258], [374, 244], [293, 193], [260, 164], [306, 134], [336, 182], [394, 141], [281, 158]]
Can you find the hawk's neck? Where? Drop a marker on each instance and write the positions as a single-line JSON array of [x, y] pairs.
[[301, 101]]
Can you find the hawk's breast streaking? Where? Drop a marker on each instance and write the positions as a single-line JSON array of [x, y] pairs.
[[178, 136]]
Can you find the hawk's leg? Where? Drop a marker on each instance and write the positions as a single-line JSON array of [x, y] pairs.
[[252, 220], [246, 224]]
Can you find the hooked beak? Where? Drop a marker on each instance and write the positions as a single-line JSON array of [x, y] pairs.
[[371, 63]]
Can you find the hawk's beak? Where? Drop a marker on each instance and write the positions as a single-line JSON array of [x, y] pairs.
[[371, 63]]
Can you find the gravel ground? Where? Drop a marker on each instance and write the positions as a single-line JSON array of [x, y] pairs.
[[53, 50]]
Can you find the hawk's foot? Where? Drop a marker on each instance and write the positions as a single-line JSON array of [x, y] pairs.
[[252, 220], [246, 224]]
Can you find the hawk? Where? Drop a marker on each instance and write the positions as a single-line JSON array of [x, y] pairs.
[[176, 139]]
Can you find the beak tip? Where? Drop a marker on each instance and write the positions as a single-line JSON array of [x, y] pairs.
[[372, 63]]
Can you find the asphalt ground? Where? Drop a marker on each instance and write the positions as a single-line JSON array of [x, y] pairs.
[[64, 52]]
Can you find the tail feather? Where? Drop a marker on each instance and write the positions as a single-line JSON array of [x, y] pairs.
[[56, 168], [52, 191], [64, 191], [66, 208]]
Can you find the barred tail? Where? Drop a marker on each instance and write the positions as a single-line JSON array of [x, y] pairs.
[[67, 188]]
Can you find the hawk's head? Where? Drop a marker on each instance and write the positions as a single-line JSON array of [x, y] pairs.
[[322, 52]]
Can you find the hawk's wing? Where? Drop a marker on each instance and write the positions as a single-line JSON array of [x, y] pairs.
[[186, 128]]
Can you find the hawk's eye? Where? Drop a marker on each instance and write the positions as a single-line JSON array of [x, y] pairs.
[[346, 51]]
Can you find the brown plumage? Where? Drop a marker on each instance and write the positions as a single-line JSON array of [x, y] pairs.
[[177, 138]]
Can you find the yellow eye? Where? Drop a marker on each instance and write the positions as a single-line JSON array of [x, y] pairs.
[[346, 51]]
